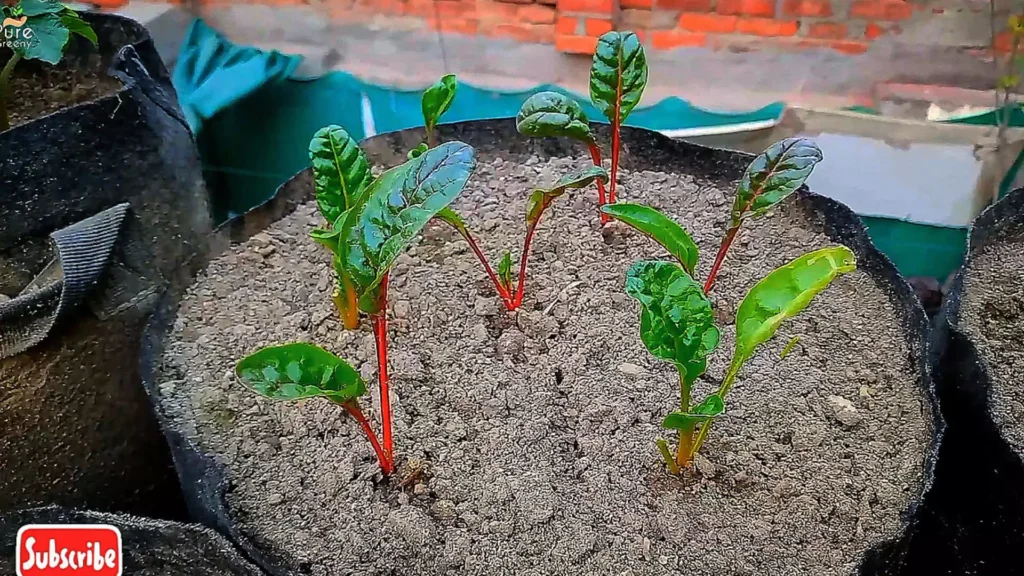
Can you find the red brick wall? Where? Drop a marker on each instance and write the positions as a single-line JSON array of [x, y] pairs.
[[846, 26]]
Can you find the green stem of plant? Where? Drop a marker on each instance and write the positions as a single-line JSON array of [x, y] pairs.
[[723, 391], [5, 82], [667, 455], [683, 449], [431, 139]]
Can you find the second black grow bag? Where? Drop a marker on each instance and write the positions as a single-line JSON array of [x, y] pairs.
[[206, 477], [104, 212], [977, 504]]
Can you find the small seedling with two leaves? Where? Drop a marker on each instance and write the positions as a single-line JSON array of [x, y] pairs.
[[677, 322], [36, 30], [370, 221], [437, 99]]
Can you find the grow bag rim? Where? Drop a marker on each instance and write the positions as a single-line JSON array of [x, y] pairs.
[[643, 142], [127, 82]]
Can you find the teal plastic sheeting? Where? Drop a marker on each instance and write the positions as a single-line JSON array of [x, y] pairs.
[[212, 74], [253, 118], [400, 109]]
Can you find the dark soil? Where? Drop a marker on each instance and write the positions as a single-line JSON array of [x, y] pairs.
[[538, 429], [38, 89]]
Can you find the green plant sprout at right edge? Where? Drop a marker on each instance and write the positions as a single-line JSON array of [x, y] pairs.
[[677, 317]]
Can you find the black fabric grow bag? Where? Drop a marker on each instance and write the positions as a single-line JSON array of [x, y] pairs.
[[203, 476], [977, 503], [103, 212], [149, 547]]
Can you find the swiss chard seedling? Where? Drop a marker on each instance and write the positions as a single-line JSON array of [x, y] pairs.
[[618, 77], [436, 101], [677, 318], [36, 30], [370, 222]]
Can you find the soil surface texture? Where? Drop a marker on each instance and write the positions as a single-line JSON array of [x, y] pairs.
[[40, 89], [992, 315], [538, 430]]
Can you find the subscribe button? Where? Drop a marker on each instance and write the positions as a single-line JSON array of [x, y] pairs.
[[68, 549]]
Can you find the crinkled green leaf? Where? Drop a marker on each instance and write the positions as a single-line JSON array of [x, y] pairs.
[[437, 99], [394, 209], [783, 294], [618, 75], [75, 25], [43, 38], [505, 269], [676, 319], [773, 175], [540, 198], [39, 7], [417, 151], [341, 172], [299, 370], [710, 408], [552, 114], [660, 228]]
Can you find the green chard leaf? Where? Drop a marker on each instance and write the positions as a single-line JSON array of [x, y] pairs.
[[783, 294], [676, 319], [437, 99], [773, 175], [39, 7], [417, 151], [75, 25], [710, 408], [660, 228], [49, 36], [341, 172], [618, 75], [505, 270], [552, 114], [452, 218], [540, 198], [299, 370], [394, 209]]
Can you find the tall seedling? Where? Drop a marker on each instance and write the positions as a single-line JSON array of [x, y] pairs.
[[370, 222], [437, 99], [618, 77], [36, 30], [677, 319]]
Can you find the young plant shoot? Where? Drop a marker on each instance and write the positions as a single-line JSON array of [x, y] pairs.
[[436, 101], [37, 30], [676, 318], [618, 77], [370, 222]]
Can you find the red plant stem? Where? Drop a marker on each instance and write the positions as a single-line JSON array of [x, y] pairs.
[[615, 157], [385, 465], [521, 287], [380, 333], [726, 242], [595, 155], [616, 127], [506, 298]]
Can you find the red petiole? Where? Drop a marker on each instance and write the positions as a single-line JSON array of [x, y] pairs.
[[506, 298], [385, 464], [380, 333], [720, 258], [521, 287], [595, 155]]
